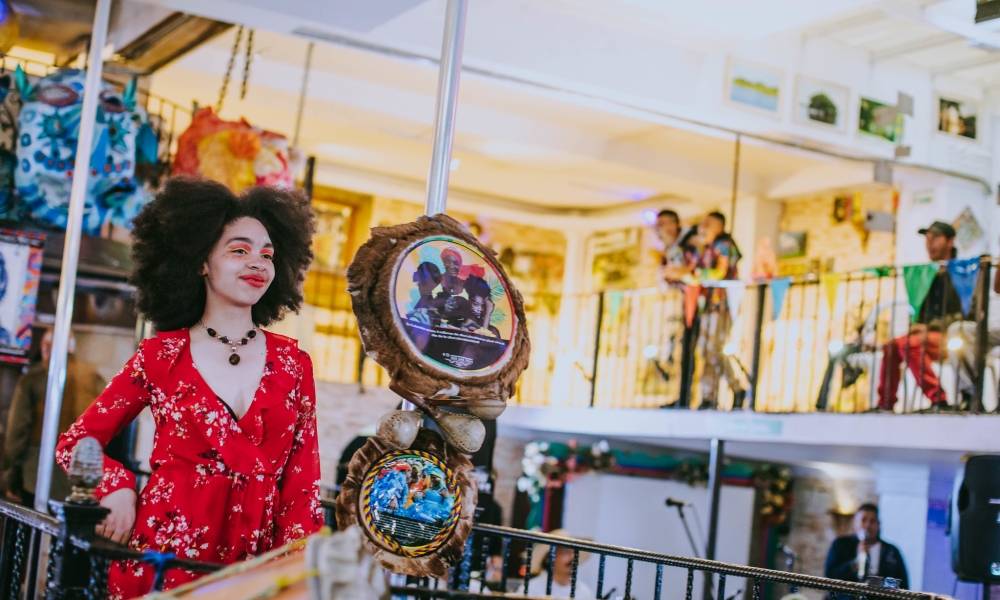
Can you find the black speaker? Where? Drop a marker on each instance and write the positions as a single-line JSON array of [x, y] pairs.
[[974, 519]]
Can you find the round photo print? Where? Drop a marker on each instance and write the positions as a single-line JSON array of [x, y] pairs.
[[453, 305], [410, 502]]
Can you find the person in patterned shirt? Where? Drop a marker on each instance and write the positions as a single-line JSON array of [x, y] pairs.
[[235, 458]]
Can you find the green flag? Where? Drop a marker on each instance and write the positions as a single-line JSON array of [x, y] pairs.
[[918, 280], [879, 272]]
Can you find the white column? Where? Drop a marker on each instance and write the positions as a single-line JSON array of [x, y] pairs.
[[71, 255], [902, 491]]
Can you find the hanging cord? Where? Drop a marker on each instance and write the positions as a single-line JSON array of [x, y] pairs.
[[246, 65], [302, 95], [229, 70]]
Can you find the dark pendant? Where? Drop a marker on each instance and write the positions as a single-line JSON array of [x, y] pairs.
[[234, 359], [252, 334], [211, 332], [224, 339]]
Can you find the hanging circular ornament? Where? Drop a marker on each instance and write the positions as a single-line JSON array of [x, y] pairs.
[[415, 505], [439, 313]]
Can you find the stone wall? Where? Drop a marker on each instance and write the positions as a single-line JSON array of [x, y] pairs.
[[842, 243], [814, 527]]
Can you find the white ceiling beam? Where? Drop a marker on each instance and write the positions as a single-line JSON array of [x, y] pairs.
[[915, 46], [865, 18], [965, 65]]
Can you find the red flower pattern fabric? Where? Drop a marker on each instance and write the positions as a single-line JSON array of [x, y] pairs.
[[222, 490]]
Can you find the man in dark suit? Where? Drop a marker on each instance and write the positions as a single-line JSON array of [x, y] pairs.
[[862, 555]]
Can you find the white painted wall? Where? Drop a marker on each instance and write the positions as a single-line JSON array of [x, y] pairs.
[[902, 499], [633, 514]]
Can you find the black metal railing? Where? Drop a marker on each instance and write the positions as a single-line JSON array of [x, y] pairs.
[[719, 576], [77, 560]]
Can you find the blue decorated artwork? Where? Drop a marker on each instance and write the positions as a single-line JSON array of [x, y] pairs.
[[49, 124]]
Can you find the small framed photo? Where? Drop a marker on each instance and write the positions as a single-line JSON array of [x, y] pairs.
[[753, 86], [821, 103], [958, 117], [880, 121]]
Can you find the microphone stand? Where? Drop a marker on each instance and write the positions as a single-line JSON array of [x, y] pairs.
[[687, 530]]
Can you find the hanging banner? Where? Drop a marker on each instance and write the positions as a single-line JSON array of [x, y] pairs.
[[964, 273], [879, 272], [779, 287], [918, 280], [691, 294], [734, 297], [830, 282]]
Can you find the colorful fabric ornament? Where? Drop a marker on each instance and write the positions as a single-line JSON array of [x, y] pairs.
[[964, 273], [779, 288], [830, 282], [691, 295], [918, 280], [234, 153], [49, 124]]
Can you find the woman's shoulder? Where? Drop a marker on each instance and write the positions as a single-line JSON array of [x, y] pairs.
[[288, 346]]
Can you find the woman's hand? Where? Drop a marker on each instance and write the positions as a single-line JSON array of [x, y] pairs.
[[117, 526]]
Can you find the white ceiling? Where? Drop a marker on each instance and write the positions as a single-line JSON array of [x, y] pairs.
[[371, 98]]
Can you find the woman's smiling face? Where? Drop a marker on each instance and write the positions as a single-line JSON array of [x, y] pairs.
[[240, 267]]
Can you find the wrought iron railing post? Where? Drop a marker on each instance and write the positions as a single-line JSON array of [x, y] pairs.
[[982, 332], [758, 328], [79, 517]]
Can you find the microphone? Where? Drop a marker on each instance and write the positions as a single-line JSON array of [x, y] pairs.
[[672, 502], [862, 559]]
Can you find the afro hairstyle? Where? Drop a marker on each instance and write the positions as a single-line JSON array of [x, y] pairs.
[[175, 233]]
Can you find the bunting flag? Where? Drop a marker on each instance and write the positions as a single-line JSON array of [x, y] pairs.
[[830, 282], [734, 297], [964, 273], [779, 287], [691, 294], [879, 272], [615, 300], [918, 280]]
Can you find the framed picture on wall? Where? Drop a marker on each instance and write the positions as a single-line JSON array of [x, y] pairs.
[[20, 271], [821, 103], [958, 117], [753, 86], [879, 120]]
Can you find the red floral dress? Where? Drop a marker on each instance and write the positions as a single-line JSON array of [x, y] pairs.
[[222, 490]]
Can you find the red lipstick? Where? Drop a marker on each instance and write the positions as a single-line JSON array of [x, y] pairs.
[[255, 280]]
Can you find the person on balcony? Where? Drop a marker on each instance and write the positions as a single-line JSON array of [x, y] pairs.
[[922, 345], [670, 233], [711, 255], [964, 360], [235, 457], [857, 557], [22, 444]]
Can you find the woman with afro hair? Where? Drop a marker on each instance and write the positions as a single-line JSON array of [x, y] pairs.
[[235, 459]]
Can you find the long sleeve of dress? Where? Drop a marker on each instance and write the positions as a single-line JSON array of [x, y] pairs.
[[299, 512], [117, 406]]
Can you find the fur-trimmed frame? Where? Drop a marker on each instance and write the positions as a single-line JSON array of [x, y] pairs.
[[370, 282], [436, 563]]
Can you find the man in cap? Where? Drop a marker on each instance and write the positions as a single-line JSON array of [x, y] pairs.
[[921, 347]]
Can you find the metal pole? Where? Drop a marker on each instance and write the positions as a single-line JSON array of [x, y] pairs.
[[597, 348], [982, 335], [736, 184], [302, 95], [71, 254], [447, 102], [758, 329], [715, 459]]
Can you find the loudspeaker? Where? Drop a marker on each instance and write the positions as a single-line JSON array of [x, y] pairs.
[[974, 519]]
